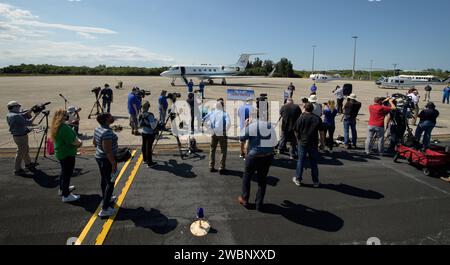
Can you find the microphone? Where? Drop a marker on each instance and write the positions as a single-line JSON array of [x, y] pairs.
[[63, 97]]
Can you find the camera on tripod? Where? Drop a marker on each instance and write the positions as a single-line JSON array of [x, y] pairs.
[[174, 96], [143, 93], [40, 108], [96, 90]]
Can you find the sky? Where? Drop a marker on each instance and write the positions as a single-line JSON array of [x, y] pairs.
[[411, 33]]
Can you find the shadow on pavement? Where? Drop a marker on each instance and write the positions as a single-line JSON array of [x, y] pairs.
[[181, 170], [271, 181], [43, 180], [350, 190], [89, 202], [153, 219], [303, 215]]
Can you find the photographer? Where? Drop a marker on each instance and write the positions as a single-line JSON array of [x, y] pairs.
[[107, 95], [351, 111], [74, 119], [397, 124], [163, 105], [66, 145], [289, 115], [427, 123], [414, 95], [106, 144], [134, 106], [378, 112], [149, 124], [191, 102], [18, 126], [339, 93]]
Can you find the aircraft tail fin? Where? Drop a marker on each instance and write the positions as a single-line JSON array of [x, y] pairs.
[[245, 58]]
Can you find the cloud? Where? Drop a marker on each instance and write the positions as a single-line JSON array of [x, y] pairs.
[[87, 35], [74, 53], [25, 39], [10, 12], [22, 23]]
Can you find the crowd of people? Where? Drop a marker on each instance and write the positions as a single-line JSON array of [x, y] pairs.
[[307, 128]]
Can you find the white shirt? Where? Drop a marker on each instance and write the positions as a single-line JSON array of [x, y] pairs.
[[339, 93], [414, 98]]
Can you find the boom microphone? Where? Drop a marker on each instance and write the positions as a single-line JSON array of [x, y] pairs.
[[63, 97]]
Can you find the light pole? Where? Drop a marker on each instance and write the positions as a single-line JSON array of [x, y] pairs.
[[395, 68], [354, 57], [314, 59], [371, 69]]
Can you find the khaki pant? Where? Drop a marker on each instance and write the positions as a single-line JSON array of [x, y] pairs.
[[23, 151], [223, 142]]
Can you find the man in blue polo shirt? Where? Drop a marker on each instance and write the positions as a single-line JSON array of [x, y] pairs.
[[191, 86], [162, 106], [134, 107]]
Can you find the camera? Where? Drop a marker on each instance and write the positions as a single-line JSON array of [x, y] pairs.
[[143, 93], [174, 96], [40, 107], [96, 90]]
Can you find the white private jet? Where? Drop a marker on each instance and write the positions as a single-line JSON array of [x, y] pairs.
[[209, 72]]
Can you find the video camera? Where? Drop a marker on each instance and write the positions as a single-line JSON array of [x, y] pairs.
[[174, 96], [143, 93], [96, 90], [40, 108]]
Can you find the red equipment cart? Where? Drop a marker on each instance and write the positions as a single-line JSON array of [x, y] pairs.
[[429, 160]]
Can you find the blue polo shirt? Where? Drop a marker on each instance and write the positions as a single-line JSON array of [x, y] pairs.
[[133, 100], [191, 87]]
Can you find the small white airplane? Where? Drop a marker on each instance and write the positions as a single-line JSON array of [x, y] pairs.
[[319, 78], [209, 72]]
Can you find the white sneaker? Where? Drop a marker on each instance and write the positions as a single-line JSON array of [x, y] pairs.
[[106, 213], [317, 185], [71, 188], [297, 182], [70, 198], [113, 199]]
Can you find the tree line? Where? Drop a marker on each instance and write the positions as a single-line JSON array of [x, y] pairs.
[[257, 67], [46, 69]]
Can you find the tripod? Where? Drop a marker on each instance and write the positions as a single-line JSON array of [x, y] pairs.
[[96, 105], [44, 137], [171, 117]]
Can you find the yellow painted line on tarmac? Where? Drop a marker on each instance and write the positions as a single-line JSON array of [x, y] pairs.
[[107, 226], [88, 226]]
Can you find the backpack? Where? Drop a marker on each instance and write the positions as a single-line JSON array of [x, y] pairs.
[[123, 155]]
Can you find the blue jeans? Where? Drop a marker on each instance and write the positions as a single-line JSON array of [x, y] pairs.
[[446, 98], [162, 115], [350, 124], [379, 132], [425, 127], [313, 153]]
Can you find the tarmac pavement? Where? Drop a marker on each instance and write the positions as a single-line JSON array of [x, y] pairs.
[[360, 197]]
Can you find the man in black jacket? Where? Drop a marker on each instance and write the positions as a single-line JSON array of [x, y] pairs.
[[289, 114], [351, 111]]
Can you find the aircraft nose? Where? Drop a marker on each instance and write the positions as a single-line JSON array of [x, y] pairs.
[[164, 74]]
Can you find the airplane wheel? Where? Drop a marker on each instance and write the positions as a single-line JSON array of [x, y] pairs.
[[173, 84], [211, 82]]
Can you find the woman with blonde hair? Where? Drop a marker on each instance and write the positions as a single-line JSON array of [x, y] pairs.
[[330, 112], [66, 145]]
